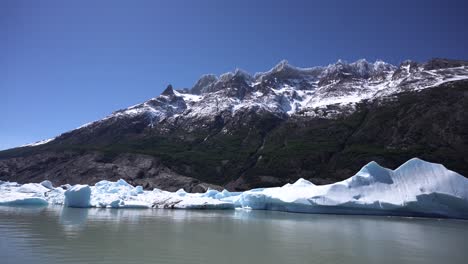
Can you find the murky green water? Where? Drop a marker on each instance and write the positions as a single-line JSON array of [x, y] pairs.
[[56, 235]]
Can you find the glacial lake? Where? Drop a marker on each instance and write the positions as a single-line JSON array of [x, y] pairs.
[[59, 235]]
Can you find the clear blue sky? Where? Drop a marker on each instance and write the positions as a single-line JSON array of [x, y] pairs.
[[65, 63]]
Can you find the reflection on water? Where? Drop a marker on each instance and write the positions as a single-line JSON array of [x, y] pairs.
[[57, 235]]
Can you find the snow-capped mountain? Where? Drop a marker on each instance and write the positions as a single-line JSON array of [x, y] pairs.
[[289, 90], [285, 90], [242, 131]]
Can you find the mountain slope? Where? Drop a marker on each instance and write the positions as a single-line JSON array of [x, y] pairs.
[[242, 131]]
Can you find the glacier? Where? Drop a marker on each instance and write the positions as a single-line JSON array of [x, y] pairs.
[[416, 188]]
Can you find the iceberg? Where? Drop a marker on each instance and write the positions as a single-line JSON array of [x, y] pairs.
[[78, 196], [13, 194], [416, 188], [47, 184], [23, 201]]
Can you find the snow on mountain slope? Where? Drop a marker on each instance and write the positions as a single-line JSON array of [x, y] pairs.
[[41, 142], [416, 188], [285, 90], [290, 90]]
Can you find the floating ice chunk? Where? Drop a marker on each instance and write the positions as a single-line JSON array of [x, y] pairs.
[[116, 203], [122, 182], [113, 187], [32, 188], [78, 196], [14, 194], [181, 192], [10, 184], [415, 188], [254, 200], [47, 184], [56, 196], [226, 194], [210, 193], [119, 194], [23, 201], [137, 190]]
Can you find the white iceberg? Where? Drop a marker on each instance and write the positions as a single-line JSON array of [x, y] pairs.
[[78, 196], [13, 194], [416, 188], [47, 184]]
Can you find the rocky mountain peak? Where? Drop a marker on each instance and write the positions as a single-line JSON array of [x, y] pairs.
[[285, 71], [204, 84], [243, 75], [168, 91], [281, 66], [381, 66], [440, 63], [289, 90], [358, 69]]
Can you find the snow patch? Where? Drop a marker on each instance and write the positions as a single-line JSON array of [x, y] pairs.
[[38, 143]]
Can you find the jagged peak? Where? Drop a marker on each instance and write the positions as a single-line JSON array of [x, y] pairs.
[[203, 83], [281, 66], [441, 63], [341, 61], [285, 68], [242, 73], [168, 91], [382, 65], [226, 76], [363, 67], [359, 62], [209, 76], [360, 68], [339, 64], [408, 62], [407, 66], [341, 69], [362, 61]]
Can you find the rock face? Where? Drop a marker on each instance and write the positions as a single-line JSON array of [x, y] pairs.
[[240, 131], [93, 166]]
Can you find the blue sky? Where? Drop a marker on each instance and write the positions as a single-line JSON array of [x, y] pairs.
[[66, 63]]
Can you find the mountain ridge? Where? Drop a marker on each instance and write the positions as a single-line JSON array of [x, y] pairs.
[[385, 78]]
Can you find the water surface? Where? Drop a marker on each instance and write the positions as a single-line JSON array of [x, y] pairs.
[[56, 235]]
